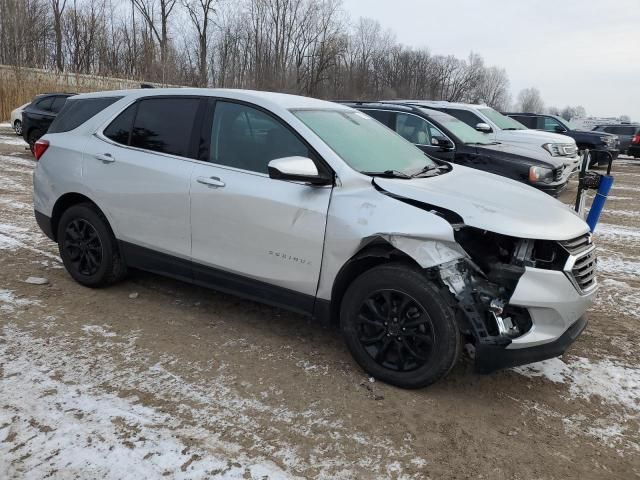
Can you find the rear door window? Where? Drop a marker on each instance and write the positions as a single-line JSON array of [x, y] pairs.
[[165, 125], [527, 121], [247, 138], [119, 130], [76, 112]]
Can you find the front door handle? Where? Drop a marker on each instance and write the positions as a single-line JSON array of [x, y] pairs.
[[211, 182], [105, 157]]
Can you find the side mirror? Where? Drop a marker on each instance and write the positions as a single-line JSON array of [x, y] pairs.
[[299, 169], [560, 129], [484, 128], [442, 142]]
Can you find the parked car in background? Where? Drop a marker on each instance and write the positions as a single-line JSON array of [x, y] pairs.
[[601, 145], [38, 115], [16, 119], [447, 138], [316, 207], [634, 147], [503, 129], [625, 132]]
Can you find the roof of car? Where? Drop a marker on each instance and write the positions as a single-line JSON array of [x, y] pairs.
[[437, 103], [282, 100]]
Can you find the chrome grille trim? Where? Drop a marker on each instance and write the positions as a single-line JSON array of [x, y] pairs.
[[580, 268]]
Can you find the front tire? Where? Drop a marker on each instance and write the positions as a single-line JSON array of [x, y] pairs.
[[88, 248], [17, 127], [399, 327]]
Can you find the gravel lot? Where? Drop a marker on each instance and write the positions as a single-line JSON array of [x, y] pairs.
[[153, 378]]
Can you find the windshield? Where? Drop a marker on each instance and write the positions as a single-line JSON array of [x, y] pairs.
[[503, 122], [464, 132], [364, 143]]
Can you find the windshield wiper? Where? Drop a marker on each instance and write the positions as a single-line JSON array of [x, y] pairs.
[[512, 128], [430, 168], [388, 173]]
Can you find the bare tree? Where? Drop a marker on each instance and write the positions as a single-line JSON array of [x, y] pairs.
[[57, 8], [200, 13], [530, 100]]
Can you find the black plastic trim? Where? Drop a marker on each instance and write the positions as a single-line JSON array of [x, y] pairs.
[[490, 358], [150, 260], [44, 223]]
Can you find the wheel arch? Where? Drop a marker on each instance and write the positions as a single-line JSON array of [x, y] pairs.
[[67, 201], [375, 253]]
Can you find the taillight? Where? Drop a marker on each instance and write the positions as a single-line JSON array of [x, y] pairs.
[[40, 147], [636, 139]]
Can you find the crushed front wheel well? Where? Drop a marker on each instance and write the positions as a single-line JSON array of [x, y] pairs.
[[376, 253]]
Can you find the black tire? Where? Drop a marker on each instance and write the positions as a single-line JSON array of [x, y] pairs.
[[418, 311], [17, 127], [88, 247], [33, 137]]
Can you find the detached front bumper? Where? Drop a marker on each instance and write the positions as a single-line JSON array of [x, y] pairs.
[[490, 358], [556, 308]]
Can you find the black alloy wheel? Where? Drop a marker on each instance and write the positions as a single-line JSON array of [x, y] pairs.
[[395, 330], [83, 247]]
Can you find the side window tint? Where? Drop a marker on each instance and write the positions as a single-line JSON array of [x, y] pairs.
[[465, 116], [550, 124], [610, 129], [628, 131], [384, 117], [413, 128], [58, 103], [247, 138], [120, 128], [76, 112], [45, 104], [165, 125]]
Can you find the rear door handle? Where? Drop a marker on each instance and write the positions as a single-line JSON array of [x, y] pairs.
[[211, 182], [105, 157]]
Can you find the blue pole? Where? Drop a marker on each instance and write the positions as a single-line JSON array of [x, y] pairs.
[[606, 182]]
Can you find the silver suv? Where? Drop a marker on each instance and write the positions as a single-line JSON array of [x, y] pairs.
[[318, 208]]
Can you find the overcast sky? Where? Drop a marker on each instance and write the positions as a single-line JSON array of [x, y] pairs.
[[576, 52]]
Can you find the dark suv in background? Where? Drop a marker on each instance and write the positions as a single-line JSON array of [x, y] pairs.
[[601, 144], [445, 137], [626, 133], [38, 115]]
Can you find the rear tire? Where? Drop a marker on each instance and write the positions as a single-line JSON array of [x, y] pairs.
[[88, 247], [33, 137], [17, 127], [399, 327]]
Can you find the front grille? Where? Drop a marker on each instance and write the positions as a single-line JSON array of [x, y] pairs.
[[577, 245], [581, 264], [584, 271]]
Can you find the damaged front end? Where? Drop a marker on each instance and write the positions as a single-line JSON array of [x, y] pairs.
[[483, 281]]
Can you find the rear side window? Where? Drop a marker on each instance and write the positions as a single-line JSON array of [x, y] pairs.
[[246, 138], [529, 122], [58, 103], [76, 112], [465, 116], [45, 103], [119, 130], [165, 125]]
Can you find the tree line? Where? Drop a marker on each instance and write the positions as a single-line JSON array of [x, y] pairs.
[[309, 47]]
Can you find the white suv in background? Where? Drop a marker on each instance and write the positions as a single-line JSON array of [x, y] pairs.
[[318, 208], [501, 128]]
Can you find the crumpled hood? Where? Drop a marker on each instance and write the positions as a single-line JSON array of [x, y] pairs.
[[530, 136], [492, 203]]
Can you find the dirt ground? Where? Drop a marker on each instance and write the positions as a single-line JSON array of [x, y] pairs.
[[153, 377]]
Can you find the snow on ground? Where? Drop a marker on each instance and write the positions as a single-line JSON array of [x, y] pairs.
[[14, 140], [89, 427]]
